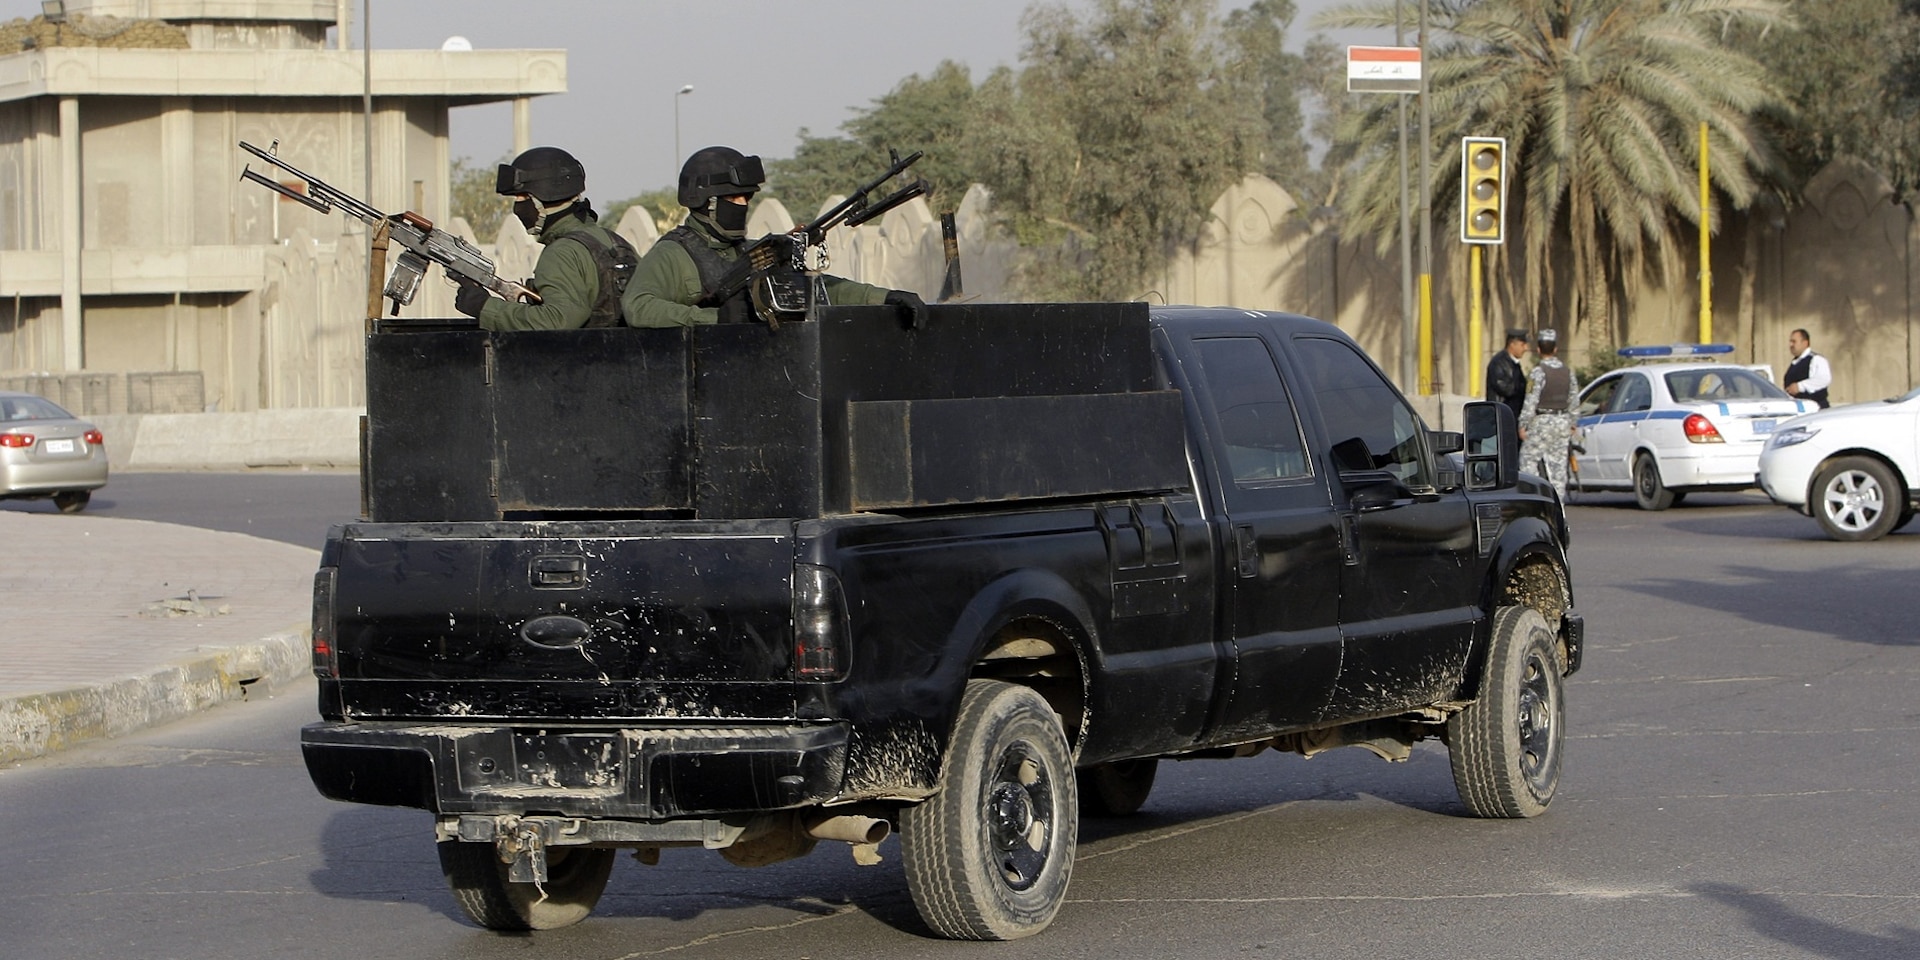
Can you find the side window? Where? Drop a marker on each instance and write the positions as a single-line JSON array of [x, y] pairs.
[[1358, 403], [1596, 397], [1258, 428], [1634, 395]]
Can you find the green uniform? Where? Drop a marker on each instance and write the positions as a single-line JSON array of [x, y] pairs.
[[566, 278], [666, 284]]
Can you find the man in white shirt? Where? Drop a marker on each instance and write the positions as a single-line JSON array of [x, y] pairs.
[[1809, 375]]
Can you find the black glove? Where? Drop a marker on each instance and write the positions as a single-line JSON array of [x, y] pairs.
[[470, 298], [912, 308]]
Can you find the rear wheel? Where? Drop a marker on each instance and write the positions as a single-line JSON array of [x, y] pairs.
[[989, 855], [1857, 498], [1117, 789], [1505, 746], [1648, 491], [576, 876], [72, 501]]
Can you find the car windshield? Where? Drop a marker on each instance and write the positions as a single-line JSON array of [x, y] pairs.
[[1721, 384], [30, 408]]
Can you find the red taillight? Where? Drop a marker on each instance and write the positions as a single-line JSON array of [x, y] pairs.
[[819, 624], [1700, 430], [326, 660], [95, 438], [16, 439]]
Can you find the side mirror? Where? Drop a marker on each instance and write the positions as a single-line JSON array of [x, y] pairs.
[[1492, 446]]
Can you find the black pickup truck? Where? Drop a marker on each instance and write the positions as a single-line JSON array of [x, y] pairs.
[[747, 589]]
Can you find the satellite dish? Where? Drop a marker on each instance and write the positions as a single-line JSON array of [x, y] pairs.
[[456, 45]]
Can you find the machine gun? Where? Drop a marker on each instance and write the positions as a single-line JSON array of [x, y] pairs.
[[424, 242], [780, 270]]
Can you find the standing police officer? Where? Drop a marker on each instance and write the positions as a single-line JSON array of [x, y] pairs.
[[1546, 418], [1506, 382], [715, 185], [1809, 375], [579, 283]]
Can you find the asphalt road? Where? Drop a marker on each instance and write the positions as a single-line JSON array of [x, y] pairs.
[[1739, 784], [292, 506]]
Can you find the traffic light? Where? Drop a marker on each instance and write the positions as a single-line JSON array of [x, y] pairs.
[[1483, 189]]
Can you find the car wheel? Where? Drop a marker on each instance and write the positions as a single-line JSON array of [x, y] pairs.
[[1505, 747], [1648, 491], [1857, 498], [576, 876], [1117, 789], [72, 501], [988, 856]]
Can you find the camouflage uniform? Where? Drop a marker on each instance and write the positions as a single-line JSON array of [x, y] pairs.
[[1549, 429]]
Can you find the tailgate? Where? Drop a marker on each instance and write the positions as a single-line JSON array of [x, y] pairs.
[[623, 620]]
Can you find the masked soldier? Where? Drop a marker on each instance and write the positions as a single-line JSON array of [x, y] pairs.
[[715, 185], [579, 282], [1546, 417]]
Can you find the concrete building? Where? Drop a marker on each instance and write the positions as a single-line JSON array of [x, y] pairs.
[[129, 245]]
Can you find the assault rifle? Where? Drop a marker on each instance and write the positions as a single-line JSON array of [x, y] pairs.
[[780, 269], [424, 242]]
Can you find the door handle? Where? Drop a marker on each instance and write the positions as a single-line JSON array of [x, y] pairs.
[[1247, 550]]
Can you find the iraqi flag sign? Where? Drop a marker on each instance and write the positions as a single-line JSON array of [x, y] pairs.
[[1383, 69]]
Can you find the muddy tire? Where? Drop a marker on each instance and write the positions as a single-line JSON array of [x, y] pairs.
[[72, 501], [1858, 498], [1648, 491], [1117, 789], [1506, 746], [576, 876], [989, 855]]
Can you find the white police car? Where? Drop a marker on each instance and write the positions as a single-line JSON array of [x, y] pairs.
[[1663, 429], [1854, 468]]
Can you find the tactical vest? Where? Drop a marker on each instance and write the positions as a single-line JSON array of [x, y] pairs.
[[616, 262], [712, 269], [1800, 370], [1556, 390]]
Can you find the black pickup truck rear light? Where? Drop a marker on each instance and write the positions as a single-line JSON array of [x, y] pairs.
[[326, 659], [819, 624]]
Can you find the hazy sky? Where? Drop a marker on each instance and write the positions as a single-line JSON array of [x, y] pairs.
[[760, 69]]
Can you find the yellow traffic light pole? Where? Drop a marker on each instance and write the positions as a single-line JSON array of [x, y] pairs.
[[1473, 326], [1706, 262], [1483, 195]]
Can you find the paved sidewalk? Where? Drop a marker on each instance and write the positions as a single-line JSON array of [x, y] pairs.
[[112, 625]]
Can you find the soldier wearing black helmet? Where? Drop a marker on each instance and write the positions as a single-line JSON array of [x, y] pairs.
[[579, 283], [715, 185]]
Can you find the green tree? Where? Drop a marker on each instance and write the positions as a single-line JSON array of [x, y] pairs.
[[1115, 137], [1851, 74], [471, 194], [1600, 102], [920, 113], [1257, 35]]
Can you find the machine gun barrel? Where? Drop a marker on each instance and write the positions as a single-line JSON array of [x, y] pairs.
[[856, 201], [424, 242]]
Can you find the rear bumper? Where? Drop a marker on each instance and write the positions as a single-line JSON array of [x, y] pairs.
[[1729, 469], [633, 773], [52, 476]]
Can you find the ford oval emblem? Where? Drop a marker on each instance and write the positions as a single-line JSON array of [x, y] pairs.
[[556, 632]]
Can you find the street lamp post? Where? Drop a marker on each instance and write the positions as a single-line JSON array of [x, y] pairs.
[[676, 120]]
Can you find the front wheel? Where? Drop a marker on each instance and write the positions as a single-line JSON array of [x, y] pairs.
[[576, 876], [1648, 491], [1857, 498], [1505, 746], [988, 856]]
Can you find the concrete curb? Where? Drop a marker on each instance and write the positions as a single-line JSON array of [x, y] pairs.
[[317, 437], [35, 725]]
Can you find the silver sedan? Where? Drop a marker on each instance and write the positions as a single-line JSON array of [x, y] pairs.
[[47, 452]]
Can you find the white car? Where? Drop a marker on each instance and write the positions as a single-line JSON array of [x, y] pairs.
[[1663, 429], [1854, 468]]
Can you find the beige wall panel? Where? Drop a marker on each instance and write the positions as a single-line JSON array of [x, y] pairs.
[[123, 200]]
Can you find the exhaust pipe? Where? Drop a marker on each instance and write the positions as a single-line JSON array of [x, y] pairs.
[[850, 829]]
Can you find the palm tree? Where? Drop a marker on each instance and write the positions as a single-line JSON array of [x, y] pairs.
[[1600, 102]]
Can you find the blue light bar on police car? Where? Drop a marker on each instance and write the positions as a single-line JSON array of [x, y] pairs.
[[1677, 350]]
